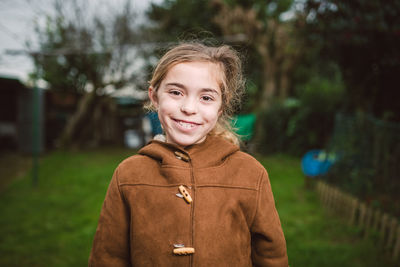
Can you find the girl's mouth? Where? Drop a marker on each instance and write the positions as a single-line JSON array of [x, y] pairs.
[[186, 124]]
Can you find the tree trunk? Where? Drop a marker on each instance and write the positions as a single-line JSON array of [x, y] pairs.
[[77, 121], [269, 86], [284, 85], [287, 69]]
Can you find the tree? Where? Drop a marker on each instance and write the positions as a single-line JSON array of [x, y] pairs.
[[268, 40], [363, 36], [254, 27], [272, 39], [87, 54], [179, 19], [173, 20]]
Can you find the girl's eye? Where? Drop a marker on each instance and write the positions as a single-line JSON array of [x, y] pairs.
[[175, 92], [207, 98]]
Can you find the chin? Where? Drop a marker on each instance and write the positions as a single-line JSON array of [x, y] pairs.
[[185, 141]]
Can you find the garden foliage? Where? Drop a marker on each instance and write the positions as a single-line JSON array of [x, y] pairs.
[[304, 122], [368, 150]]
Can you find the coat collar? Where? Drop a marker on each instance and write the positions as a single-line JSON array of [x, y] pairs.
[[212, 152]]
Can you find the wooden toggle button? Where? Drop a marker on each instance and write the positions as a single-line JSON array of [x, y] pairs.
[[181, 156], [185, 194], [183, 251]]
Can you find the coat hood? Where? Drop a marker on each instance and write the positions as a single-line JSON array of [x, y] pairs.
[[211, 152]]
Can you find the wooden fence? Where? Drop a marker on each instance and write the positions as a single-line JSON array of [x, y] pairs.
[[370, 220]]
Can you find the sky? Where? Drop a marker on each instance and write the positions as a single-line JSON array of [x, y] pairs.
[[17, 27]]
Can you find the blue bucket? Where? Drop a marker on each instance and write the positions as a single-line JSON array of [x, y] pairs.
[[317, 162]]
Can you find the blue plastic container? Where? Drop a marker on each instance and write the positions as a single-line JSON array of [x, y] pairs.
[[317, 162]]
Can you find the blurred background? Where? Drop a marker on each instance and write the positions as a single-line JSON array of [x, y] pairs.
[[321, 105]]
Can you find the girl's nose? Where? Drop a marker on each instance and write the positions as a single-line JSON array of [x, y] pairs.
[[188, 107]]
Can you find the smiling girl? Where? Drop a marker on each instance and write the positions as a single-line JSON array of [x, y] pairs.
[[191, 198]]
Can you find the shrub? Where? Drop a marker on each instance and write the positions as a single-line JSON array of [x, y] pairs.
[[306, 122]]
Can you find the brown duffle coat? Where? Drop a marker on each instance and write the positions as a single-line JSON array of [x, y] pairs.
[[208, 204]]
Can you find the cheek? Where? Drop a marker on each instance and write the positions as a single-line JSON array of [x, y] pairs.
[[165, 105], [213, 114], [166, 109]]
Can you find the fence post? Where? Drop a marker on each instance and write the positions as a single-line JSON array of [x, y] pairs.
[[354, 205], [376, 218], [327, 196], [347, 206], [338, 207], [396, 250], [368, 221], [344, 205], [361, 218], [318, 188], [392, 232], [382, 231], [333, 198], [323, 193]]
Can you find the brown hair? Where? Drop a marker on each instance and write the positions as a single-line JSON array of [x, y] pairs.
[[231, 82]]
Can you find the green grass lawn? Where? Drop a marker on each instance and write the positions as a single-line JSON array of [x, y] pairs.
[[54, 223], [315, 238]]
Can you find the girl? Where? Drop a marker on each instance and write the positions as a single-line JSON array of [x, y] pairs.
[[191, 198]]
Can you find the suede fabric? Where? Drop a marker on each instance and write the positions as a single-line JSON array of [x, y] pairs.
[[232, 220]]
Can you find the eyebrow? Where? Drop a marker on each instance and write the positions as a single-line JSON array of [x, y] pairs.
[[211, 90]]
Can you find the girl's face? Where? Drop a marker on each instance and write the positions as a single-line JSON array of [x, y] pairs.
[[188, 101]]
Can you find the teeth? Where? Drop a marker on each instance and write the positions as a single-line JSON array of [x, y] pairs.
[[186, 124]]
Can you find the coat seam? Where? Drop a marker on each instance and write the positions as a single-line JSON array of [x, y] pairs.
[[228, 186], [224, 162], [192, 210], [126, 206], [257, 199], [174, 167], [119, 185], [203, 186], [153, 185]]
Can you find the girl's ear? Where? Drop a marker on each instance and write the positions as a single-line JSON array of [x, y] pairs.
[[153, 96], [220, 110]]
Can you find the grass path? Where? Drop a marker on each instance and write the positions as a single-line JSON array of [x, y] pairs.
[[54, 224]]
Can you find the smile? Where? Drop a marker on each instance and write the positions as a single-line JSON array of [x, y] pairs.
[[186, 124]]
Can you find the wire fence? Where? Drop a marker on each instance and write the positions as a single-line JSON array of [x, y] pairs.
[[368, 153]]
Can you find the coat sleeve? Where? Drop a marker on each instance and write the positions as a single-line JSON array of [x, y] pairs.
[[268, 245], [111, 241]]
